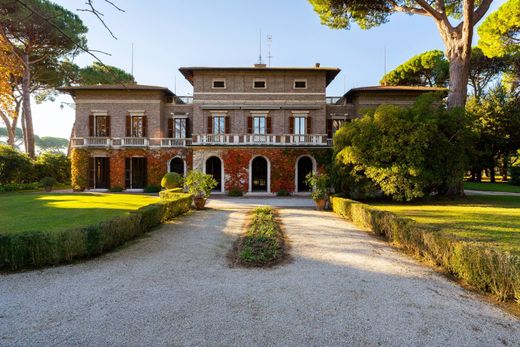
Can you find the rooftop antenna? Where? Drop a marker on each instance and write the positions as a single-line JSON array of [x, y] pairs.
[[175, 84], [260, 48], [132, 66], [384, 57], [269, 43]]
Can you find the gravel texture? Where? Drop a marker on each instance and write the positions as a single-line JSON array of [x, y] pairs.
[[175, 287]]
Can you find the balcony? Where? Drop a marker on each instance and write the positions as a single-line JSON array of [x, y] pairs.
[[261, 140], [335, 100], [128, 142]]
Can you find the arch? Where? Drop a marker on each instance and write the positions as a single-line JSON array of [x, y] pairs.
[[214, 166], [177, 164], [259, 174], [304, 165]]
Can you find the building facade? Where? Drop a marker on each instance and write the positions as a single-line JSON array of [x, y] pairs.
[[255, 129]]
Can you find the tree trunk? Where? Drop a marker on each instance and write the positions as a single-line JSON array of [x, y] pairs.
[[26, 94], [459, 74], [24, 131], [505, 166], [492, 173]]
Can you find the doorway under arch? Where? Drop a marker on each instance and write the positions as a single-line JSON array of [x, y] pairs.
[[304, 166], [259, 175], [177, 165], [214, 168]]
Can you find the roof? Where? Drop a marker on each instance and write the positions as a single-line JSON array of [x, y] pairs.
[[418, 89], [331, 72], [117, 87]]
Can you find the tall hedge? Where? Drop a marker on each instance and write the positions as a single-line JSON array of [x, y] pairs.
[[39, 247], [79, 169], [489, 270]]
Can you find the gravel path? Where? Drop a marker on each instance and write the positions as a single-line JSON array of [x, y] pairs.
[[174, 287], [489, 192]]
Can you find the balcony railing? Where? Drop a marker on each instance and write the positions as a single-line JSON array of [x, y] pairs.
[[105, 142], [266, 140], [334, 100], [184, 99]]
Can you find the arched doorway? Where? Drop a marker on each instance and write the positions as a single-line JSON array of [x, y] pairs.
[[259, 175], [304, 167], [177, 165], [214, 168]]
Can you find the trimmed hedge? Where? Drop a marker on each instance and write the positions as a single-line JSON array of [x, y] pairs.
[[169, 194], [39, 248], [489, 270]]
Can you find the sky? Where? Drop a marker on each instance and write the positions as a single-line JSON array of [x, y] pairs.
[[168, 34]]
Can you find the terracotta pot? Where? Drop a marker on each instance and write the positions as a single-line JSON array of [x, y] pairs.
[[199, 203], [48, 189], [320, 204]]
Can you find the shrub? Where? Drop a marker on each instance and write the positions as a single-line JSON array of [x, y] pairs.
[[15, 166], [170, 193], [79, 159], [152, 188], [283, 192], [38, 248], [48, 182], [235, 192], [515, 175], [13, 187], [50, 164], [486, 269], [320, 184], [172, 180], [199, 184], [116, 189]]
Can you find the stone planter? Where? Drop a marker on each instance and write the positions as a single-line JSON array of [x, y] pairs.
[[320, 204], [199, 203]]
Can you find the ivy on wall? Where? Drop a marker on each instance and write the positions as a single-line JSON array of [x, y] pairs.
[[79, 168]]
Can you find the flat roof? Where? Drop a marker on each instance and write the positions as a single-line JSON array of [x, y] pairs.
[[118, 87], [395, 89], [331, 72]]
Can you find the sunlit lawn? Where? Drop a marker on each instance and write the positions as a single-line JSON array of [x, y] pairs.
[[494, 220], [21, 212], [495, 187]]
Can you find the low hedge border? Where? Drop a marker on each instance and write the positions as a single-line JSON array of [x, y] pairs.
[[40, 248], [489, 270]]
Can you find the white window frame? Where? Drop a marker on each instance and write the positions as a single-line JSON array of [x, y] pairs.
[[218, 80], [260, 80], [96, 114], [136, 114], [300, 80], [217, 114]]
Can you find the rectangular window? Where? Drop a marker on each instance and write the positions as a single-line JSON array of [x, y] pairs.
[[259, 84], [179, 128], [219, 124], [300, 84], [259, 125], [137, 125], [219, 84], [299, 125], [101, 126]]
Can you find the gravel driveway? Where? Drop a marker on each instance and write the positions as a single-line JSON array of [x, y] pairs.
[[174, 287]]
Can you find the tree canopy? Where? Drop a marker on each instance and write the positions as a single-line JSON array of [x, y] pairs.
[[499, 34]]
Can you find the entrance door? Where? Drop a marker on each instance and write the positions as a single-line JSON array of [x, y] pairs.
[[101, 173], [135, 177], [304, 168], [259, 175], [177, 165], [214, 168]]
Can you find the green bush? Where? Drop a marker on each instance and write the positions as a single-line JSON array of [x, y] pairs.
[[283, 192], [55, 165], [170, 193], [235, 192], [152, 188], [39, 248], [48, 182], [515, 176], [15, 166], [489, 270], [172, 180], [116, 189], [13, 187]]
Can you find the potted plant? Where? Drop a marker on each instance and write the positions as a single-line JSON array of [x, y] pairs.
[[199, 185], [320, 189], [48, 182], [172, 180]]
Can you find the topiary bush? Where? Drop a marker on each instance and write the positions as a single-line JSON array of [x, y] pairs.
[[170, 193], [172, 180]]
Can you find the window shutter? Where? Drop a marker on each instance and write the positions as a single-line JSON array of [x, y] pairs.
[[91, 172], [188, 128], [91, 125], [309, 125], [227, 124], [249, 125], [329, 128], [128, 126], [268, 124], [145, 126], [210, 125], [291, 125], [108, 126], [170, 127]]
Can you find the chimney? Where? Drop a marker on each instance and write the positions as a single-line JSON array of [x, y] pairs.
[[260, 66], [317, 65]]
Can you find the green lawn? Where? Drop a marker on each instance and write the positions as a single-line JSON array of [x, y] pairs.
[[494, 220], [494, 187], [50, 212]]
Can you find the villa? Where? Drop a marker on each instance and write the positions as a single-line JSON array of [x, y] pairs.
[[256, 129]]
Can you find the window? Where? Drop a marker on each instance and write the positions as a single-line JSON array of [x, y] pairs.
[[219, 124], [259, 125], [219, 84], [300, 84], [259, 84], [179, 128], [336, 124], [299, 125], [101, 126], [137, 125]]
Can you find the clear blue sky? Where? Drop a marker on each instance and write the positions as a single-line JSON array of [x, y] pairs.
[[168, 34]]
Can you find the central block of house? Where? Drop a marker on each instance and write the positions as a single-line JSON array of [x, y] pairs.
[[256, 129]]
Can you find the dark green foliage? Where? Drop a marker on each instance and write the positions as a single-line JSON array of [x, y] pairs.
[[116, 189], [56, 165], [283, 192], [103, 74], [14, 187], [40, 248], [515, 176], [487, 269], [406, 152], [172, 180], [170, 193], [48, 181], [15, 166], [235, 192], [152, 188]]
